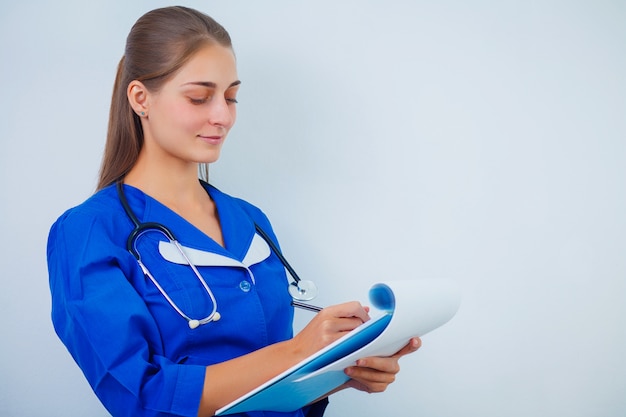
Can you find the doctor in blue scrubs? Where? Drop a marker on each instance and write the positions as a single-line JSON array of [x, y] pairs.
[[142, 344]]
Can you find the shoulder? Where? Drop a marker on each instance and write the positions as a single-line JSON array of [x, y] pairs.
[[101, 205], [89, 237], [97, 203], [100, 213]]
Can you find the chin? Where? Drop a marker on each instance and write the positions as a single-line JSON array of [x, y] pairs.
[[209, 159]]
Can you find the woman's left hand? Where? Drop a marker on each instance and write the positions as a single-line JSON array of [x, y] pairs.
[[374, 374]]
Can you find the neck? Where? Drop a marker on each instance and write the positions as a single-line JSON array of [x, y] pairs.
[[175, 183]]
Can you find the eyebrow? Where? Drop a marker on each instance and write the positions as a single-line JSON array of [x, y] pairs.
[[211, 84]]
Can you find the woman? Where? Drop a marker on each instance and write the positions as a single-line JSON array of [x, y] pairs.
[[184, 348]]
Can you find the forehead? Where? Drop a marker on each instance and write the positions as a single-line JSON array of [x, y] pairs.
[[213, 63]]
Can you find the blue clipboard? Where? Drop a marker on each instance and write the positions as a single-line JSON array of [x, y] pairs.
[[290, 391], [406, 309]]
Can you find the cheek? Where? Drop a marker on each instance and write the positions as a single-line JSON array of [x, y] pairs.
[[185, 117]]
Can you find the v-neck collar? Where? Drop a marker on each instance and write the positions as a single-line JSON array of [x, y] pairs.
[[237, 227]]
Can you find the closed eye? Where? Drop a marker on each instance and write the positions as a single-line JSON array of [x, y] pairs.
[[199, 101], [199, 98]]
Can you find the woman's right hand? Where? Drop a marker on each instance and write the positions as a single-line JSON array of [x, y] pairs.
[[246, 372], [328, 325]]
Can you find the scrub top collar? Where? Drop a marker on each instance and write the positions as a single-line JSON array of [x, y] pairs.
[[238, 234]]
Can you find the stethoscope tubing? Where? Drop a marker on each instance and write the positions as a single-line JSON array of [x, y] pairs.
[[279, 254], [141, 228]]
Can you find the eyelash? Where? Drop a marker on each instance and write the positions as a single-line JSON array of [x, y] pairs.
[[204, 100]]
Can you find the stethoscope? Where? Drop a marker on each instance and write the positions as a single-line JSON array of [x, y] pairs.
[[298, 289]]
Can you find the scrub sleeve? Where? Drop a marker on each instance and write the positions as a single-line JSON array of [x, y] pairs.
[[126, 338]]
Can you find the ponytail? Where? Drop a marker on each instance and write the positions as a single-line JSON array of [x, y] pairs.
[[124, 136]]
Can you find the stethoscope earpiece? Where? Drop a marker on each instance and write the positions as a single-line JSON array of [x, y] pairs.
[[194, 323]]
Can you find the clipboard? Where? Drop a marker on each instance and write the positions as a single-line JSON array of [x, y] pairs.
[[404, 309]]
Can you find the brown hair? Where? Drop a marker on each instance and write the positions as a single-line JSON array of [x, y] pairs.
[[158, 45]]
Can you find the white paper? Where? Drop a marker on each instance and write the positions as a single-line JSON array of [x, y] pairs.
[[405, 309], [420, 306]]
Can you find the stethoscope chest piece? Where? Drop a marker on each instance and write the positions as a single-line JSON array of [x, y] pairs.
[[303, 290]]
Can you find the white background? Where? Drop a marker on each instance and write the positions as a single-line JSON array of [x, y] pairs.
[[479, 141]]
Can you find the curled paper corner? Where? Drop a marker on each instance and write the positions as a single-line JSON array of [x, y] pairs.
[[381, 297], [434, 300]]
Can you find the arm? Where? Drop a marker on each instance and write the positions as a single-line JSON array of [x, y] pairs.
[[242, 374], [106, 326], [372, 374]]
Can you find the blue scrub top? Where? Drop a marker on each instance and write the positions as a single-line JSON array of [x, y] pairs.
[[137, 352]]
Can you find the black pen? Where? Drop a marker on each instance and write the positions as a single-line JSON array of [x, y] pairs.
[[305, 306]]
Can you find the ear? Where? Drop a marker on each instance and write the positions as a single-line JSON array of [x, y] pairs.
[[137, 94]]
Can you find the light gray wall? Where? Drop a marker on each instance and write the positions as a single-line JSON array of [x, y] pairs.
[[480, 141]]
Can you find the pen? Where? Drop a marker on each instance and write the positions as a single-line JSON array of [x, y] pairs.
[[305, 306]]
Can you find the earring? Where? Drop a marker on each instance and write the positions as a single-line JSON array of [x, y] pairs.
[[143, 113]]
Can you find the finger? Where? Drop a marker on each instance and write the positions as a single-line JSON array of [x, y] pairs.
[[413, 345], [349, 309], [369, 380], [387, 365], [342, 324]]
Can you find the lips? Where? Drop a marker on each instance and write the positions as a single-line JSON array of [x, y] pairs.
[[213, 140]]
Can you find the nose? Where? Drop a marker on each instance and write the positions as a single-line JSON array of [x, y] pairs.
[[222, 113]]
